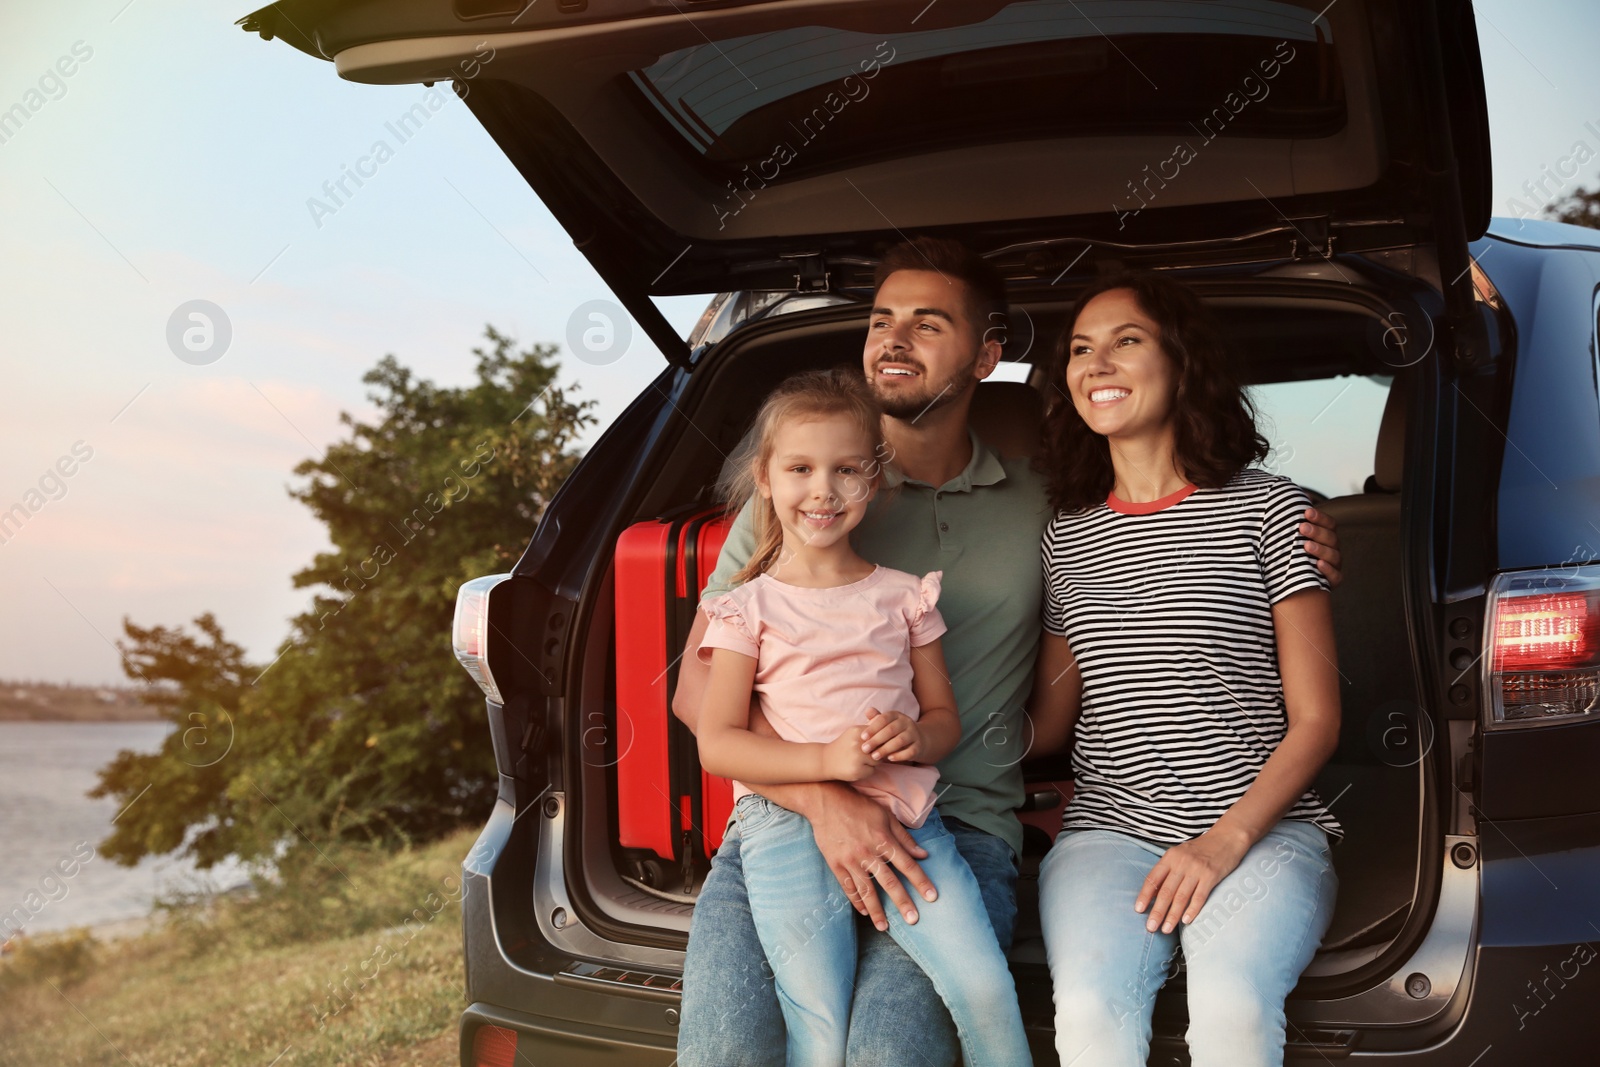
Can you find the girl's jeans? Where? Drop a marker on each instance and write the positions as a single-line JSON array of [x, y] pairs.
[[731, 1016], [807, 929], [1244, 952]]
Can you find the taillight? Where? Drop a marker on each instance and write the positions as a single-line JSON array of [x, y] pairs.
[[469, 634], [1544, 654], [494, 1046]]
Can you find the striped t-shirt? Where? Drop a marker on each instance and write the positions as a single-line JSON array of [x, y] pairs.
[[1168, 609]]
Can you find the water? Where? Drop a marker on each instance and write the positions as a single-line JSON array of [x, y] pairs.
[[45, 819]]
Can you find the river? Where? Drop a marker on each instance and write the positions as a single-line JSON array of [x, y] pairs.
[[46, 768]]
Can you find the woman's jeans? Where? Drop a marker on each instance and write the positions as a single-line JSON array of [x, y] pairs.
[[808, 931], [1244, 952], [731, 1016]]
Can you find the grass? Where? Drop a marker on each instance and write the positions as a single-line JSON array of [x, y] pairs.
[[351, 958]]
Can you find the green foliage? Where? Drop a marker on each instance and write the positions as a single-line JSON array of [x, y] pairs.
[[363, 728], [1581, 208], [338, 891], [199, 683]]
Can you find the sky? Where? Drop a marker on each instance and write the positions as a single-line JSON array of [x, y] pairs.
[[174, 164]]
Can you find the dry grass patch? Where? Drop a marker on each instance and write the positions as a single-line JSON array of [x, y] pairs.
[[355, 964]]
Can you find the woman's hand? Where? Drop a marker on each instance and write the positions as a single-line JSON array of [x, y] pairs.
[[893, 735], [1186, 874], [845, 759]]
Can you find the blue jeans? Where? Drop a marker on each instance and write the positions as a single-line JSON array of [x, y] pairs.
[[731, 1016], [1244, 952]]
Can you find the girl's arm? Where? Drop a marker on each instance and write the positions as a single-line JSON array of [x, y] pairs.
[[729, 748], [1057, 696], [1307, 654], [934, 734]]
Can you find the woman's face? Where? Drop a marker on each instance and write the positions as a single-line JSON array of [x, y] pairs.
[[1120, 380]]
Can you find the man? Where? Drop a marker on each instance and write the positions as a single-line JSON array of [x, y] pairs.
[[959, 508]]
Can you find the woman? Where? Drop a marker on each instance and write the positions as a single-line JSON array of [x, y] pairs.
[[1189, 653]]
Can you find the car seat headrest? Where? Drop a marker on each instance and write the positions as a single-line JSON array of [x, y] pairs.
[[1388, 462], [1007, 416]]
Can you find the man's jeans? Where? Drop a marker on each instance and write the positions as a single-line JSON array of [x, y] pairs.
[[731, 1016], [1244, 951]]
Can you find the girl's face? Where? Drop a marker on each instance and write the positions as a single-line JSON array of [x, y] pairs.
[[1120, 380], [819, 478]]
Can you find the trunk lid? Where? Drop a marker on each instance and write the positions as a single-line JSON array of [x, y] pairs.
[[707, 145]]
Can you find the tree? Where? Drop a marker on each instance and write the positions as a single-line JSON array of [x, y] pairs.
[[363, 726], [1581, 208]]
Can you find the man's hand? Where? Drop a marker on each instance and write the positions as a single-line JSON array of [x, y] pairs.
[[866, 847], [1184, 877], [1322, 541], [844, 759], [894, 736]]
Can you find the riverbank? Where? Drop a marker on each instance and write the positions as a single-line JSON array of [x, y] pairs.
[[44, 702], [358, 962]]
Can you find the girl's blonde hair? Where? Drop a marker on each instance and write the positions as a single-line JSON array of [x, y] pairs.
[[813, 393]]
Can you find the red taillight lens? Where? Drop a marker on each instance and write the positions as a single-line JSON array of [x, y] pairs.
[[469, 633], [1544, 655], [494, 1046], [1546, 632]]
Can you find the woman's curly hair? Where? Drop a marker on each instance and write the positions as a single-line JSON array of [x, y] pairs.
[[1212, 415]]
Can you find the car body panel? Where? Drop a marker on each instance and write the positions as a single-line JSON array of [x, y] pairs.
[[1550, 478]]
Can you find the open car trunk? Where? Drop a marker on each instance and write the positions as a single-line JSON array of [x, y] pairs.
[[1304, 338]]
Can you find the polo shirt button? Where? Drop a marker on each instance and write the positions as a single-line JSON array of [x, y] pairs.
[[944, 527]]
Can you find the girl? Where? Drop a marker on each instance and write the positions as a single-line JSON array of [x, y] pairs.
[[1190, 642], [844, 658]]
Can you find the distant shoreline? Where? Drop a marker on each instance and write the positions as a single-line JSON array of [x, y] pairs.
[[141, 714], [44, 702]]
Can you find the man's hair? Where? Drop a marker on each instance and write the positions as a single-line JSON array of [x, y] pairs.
[[986, 290]]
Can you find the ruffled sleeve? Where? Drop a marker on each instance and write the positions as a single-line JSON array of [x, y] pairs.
[[926, 622], [729, 628]]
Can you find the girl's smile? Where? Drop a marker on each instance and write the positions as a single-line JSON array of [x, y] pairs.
[[819, 479]]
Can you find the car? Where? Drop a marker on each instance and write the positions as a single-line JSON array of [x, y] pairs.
[[1320, 174]]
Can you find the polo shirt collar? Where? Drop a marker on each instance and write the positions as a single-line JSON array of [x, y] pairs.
[[984, 468]]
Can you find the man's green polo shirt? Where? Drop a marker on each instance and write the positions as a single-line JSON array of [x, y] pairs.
[[982, 529]]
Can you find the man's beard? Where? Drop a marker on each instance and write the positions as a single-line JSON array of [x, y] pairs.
[[909, 407]]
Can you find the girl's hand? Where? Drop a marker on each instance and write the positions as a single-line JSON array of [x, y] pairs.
[[843, 758], [894, 736], [1186, 874]]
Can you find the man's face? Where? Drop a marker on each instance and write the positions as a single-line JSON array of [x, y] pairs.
[[923, 348]]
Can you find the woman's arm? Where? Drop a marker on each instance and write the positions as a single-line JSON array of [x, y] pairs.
[[1307, 663], [1057, 696], [729, 748]]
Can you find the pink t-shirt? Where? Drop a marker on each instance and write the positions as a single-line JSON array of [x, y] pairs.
[[824, 656]]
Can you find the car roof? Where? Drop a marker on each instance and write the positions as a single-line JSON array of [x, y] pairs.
[[1543, 233]]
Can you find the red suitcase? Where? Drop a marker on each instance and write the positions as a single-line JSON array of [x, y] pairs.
[[666, 805]]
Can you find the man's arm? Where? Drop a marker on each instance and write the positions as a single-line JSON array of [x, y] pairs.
[[1322, 541], [692, 675]]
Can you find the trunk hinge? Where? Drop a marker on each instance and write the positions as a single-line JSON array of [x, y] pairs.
[[1313, 238], [811, 272]]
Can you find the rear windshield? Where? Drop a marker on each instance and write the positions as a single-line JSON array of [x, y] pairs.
[[817, 96]]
